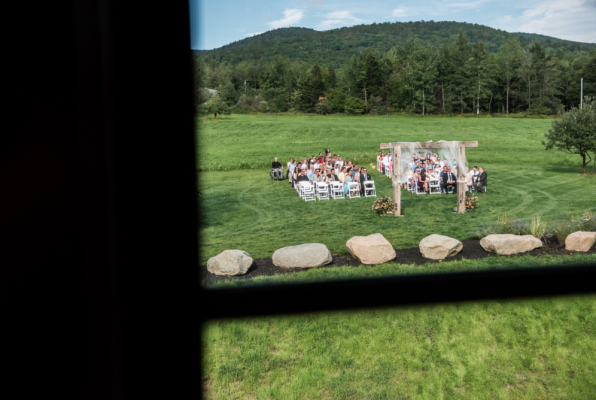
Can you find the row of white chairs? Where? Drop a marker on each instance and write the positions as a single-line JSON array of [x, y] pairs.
[[434, 187], [334, 190]]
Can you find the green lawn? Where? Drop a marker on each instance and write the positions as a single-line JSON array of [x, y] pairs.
[[243, 209], [532, 349]]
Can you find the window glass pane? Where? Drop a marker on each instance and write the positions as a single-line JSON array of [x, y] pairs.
[[269, 94]]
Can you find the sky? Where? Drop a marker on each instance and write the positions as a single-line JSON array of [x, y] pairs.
[[215, 23]]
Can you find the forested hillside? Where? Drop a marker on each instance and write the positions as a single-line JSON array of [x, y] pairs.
[[420, 67], [334, 47], [543, 37], [272, 35]]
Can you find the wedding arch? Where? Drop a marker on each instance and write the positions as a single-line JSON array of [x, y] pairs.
[[456, 149]]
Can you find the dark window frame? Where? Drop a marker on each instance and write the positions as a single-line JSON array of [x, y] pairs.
[[105, 254]]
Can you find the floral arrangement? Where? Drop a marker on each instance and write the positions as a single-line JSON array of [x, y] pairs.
[[471, 201], [383, 205]]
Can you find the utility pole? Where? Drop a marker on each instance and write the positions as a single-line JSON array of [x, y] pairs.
[[245, 86], [365, 99], [582, 96]]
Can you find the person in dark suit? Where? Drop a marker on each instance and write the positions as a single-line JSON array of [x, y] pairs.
[[481, 182], [443, 180], [364, 176], [450, 180]]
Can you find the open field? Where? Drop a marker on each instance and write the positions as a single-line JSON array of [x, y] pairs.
[[243, 209], [531, 349]]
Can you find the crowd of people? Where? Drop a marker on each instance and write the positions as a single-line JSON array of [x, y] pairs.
[[421, 169], [426, 167], [324, 168]]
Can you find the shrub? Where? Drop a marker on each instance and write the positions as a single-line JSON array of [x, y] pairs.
[[263, 106], [507, 225], [585, 223], [383, 205], [563, 228], [354, 106], [323, 109]]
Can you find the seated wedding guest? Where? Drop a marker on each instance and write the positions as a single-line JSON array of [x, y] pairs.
[[450, 180], [277, 169], [311, 171], [364, 176], [423, 182], [481, 182], [434, 174], [417, 166], [355, 171], [476, 173], [441, 163], [301, 178], [316, 177], [470, 180], [347, 179], [330, 176], [340, 161], [341, 175], [320, 159], [356, 178], [327, 153], [415, 179]]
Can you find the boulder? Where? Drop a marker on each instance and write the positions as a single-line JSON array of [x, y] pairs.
[[508, 244], [230, 262], [439, 247], [580, 241], [371, 249], [310, 255]]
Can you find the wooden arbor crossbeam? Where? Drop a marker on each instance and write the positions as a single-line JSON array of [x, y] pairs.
[[461, 191]]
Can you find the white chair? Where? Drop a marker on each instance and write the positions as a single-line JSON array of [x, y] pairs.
[[308, 191], [369, 189], [337, 190], [413, 186], [353, 190], [434, 187], [322, 191]]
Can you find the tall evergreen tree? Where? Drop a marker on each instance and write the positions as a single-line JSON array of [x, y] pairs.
[[456, 75], [508, 60], [420, 73], [480, 67]]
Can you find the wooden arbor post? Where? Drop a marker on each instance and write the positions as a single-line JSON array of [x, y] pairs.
[[396, 175], [461, 180], [461, 175]]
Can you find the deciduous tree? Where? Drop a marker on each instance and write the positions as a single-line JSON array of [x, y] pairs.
[[575, 132]]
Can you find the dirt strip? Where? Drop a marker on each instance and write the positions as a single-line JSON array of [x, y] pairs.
[[471, 251]]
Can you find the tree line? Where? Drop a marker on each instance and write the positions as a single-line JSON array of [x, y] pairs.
[[454, 78]]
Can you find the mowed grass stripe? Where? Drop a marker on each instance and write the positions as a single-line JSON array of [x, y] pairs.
[[243, 209]]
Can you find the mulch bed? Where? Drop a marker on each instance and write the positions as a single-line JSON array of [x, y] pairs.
[[471, 251]]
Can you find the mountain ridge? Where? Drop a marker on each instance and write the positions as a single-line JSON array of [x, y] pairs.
[[335, 45]]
